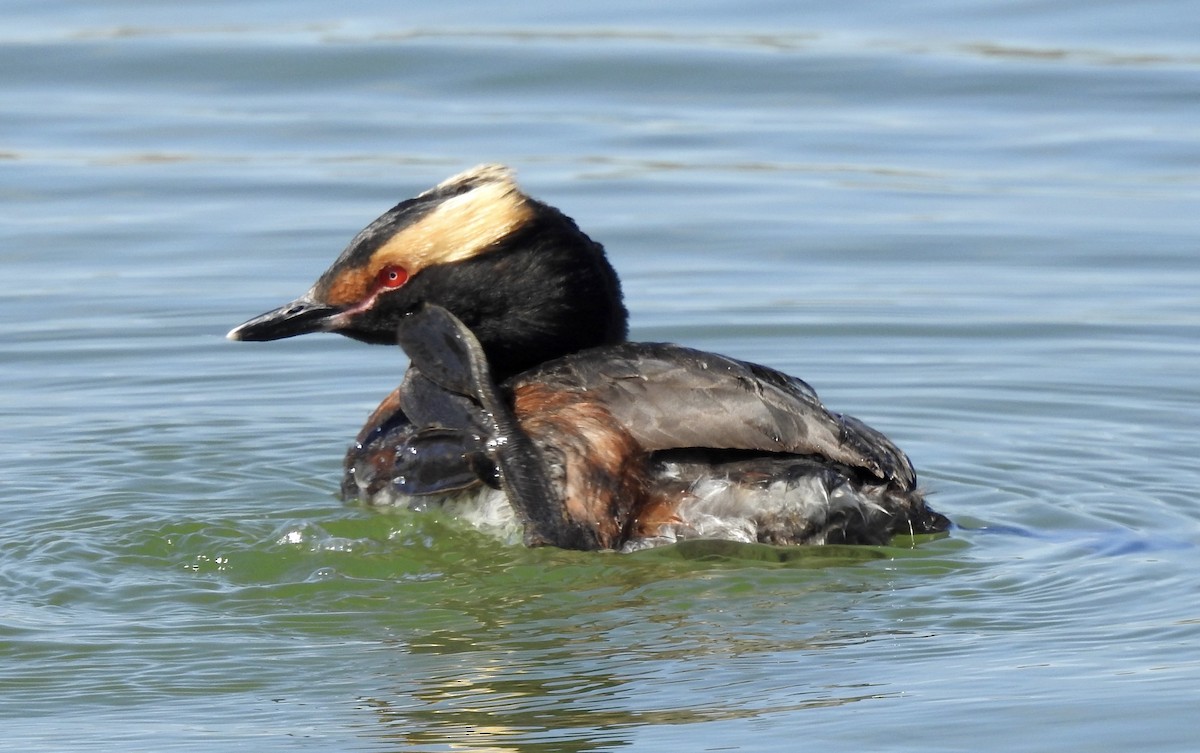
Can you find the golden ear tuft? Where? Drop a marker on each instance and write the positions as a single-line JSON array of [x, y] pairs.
[[487, 209], [477, 176]]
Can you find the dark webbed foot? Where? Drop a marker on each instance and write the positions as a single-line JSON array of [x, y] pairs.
[[421, 440], [448, 355]]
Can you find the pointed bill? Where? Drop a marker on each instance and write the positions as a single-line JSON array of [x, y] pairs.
[[299, 317]]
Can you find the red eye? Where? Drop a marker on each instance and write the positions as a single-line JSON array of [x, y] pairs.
[[391, 276]]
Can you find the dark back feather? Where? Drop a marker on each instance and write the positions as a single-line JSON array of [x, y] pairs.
[[671, 397]]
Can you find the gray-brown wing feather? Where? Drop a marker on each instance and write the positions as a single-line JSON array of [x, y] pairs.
[[672, 397]]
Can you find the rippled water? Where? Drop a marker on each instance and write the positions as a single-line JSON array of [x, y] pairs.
[[972, 224]]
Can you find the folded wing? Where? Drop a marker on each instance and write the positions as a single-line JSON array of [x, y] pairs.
[[671, 397]]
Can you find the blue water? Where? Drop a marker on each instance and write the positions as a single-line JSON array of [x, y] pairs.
[[971, 224]]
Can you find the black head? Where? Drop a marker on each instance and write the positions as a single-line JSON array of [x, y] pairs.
[[519, 273]]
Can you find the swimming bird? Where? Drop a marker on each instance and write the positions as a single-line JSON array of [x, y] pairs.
[[526, 410]]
